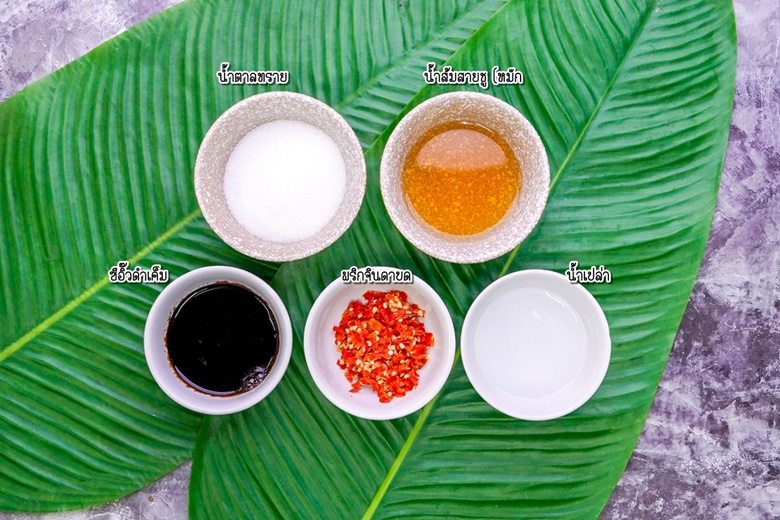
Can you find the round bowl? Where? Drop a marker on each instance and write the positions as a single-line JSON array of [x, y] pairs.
[[237, 122], [157, 352], [535, 346], [527, 207], [319, 346]]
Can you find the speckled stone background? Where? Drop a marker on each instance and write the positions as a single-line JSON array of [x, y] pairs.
[[711, 445]]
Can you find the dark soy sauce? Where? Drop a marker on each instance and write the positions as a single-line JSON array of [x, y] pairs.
[[222, 339]]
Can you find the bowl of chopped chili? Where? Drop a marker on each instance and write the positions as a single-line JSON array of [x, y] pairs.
[[379, 351]]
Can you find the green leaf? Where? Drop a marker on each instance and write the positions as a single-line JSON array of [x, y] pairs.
[[96, 167], [633, 101]]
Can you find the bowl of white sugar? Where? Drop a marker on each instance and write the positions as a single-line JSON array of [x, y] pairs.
[[280, 176]]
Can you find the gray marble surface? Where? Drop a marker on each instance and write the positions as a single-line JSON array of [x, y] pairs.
[[711, 446]]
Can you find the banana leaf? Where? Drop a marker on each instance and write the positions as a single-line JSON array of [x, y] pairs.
[[632, 100]]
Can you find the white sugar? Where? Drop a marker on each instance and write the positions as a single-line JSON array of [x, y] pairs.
[[285, 180]]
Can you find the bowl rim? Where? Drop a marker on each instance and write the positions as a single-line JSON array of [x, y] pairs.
[[397, 407], [156, 352], [465, 249], [247, 243], [527, 278]]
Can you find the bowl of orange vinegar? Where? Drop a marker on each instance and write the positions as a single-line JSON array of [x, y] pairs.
[[465, 177]]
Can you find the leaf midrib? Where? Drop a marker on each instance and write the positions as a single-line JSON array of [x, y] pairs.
[[409, 56], [409, 442], [575, 147], [78, 300]]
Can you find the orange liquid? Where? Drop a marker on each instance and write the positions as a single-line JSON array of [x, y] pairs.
[[461, 178]]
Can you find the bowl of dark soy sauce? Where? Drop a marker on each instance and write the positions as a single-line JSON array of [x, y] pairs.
[[218, 340]]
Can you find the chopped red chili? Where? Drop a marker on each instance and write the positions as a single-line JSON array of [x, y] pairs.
[[382, 343]]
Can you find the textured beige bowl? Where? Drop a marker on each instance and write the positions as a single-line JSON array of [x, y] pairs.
[[231, 127], [523, 214]]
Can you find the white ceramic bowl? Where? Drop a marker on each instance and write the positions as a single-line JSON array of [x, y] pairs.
[[157, 354], [321, 356], [235, 123], [520, 135], [535, 346]]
